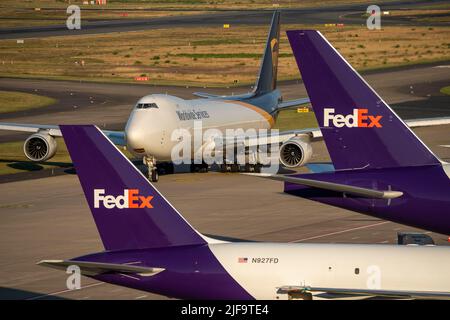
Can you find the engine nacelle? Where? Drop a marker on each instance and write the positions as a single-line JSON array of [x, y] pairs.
[[295, 152], [40, 147]]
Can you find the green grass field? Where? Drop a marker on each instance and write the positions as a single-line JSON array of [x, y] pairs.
[[11, 101], [291, 119], [13, 160], [446, 90]]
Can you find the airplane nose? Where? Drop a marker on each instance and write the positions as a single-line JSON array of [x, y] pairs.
[[134, 134]]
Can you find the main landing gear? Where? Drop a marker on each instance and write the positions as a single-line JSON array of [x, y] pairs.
[[252, 164], [199, 167], [154, 170], [232, 167]]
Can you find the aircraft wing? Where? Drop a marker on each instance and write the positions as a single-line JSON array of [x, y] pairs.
[[315, 134], [358, 191], [53, 130], [94, 268], [369, 292], [427, 122], [270, 138], [293, 103], [117, 137]]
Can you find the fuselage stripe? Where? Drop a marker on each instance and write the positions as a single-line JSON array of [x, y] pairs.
[[265, 114]]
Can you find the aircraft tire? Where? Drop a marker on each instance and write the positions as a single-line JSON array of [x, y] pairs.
[[154, 176]]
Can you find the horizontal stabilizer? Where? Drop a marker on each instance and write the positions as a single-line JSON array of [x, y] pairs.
[[94, 268], [205, 95], [293, 103], [369, 292], [357, 191]]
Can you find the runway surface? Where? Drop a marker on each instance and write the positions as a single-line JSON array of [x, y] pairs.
[[49, 219], [348, 14], [413, 92]]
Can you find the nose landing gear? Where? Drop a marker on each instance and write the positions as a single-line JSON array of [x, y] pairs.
[[152, 172]]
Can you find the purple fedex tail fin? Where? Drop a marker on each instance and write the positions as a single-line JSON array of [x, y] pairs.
[[359, 128], [128, 211]]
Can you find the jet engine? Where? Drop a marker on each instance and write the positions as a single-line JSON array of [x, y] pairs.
[[296, 152], [40, 147]]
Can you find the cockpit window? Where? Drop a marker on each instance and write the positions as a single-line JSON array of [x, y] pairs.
[[146, 106]]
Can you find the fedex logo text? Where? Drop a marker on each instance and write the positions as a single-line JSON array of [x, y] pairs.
[[359, 119], [129, 199]]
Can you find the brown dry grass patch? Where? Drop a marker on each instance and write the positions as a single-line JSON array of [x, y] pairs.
[[210, 56]]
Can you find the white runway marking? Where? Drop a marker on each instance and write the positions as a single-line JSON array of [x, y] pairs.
[[64, 291], [342, 231]]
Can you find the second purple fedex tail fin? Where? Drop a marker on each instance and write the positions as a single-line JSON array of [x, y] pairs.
[[128, 211], [359, 128]]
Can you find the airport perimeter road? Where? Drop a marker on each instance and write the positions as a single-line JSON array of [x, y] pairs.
[[49, 219], [348, 14], [413, 92]]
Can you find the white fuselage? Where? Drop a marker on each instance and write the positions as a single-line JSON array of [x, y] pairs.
[[345, 266], [149, 131]]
